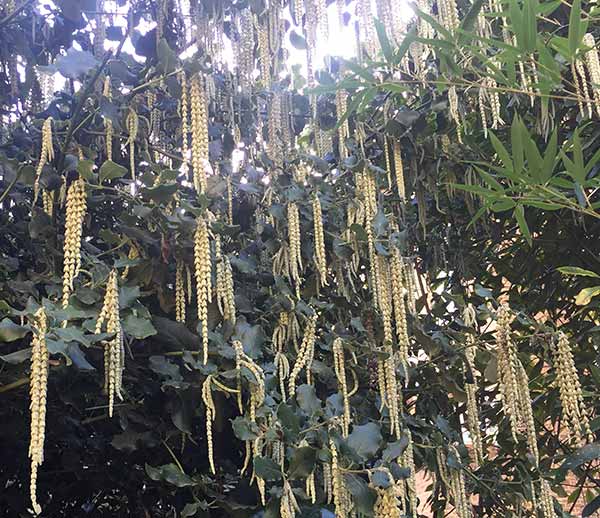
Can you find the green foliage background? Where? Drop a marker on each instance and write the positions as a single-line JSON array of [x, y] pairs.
[[512, 215]]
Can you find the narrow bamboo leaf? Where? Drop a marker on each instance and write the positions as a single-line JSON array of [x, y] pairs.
[[575, 28], [549, 162], [522, 222], [517, 136], [575, 270], [501, 151], [386, 47]]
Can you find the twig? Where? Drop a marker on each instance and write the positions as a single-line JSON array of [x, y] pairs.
[[14, 385]]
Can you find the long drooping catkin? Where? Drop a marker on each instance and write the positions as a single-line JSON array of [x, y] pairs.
[[203, 272], [571, 396], [75, 214], [38, 388], [211, 412], [184, 114], [46, 155], [179, 292], [320, 258], [132, 128], [199, 117], [108, 125], [225, 291], [305, 355], [294, 240], [114, 351], [339, 365]]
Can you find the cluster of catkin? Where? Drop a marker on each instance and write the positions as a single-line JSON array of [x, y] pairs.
[[199, 126], [454, 480], [320, 258], [295, 244], [114, 351], [339, 366], [513, 383], [46, 155], [203, 273], [589, 61], [225, 291], [257, 398], [389, 500], [342, 499], [470, 319], [305, 356], [211, 412], [571, 397], [38, 389], [75, 214]]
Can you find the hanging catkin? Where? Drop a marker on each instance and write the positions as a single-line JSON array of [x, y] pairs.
[[571, 397], [203, 272], [547, 500], [457, 487], [473, 425], [592, 61], [507, 371], [179, 292], [305, 355], [399, 290], [76, 209], [407, 460], [454, 113], [339, 365], [211, 412], [399, 170], [132, 123], [388, 504], [38, 388], [514, 384], [184, 114], [199, 117], [46, 155], [225, 290], [288, 506], [108, 125], [294, 241], [114, 351], [341, 497], [320, 259]]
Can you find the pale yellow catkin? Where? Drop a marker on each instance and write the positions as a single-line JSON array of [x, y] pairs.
[[199, 119], [211, 412], [575, 414], [288, 506], [132, 123], [294, 240], [184, 114], [407, 460], [339, 365], [388, 504], [454, 113], [179, 292], [75, 214], [108, 125], [399, 290], [46, 155], [229, 201], [38, 389], [592, 61], [547, 500], [203, 272], [225, 288], [473, 424], [114, 351], [507, 370], [320, 258], [305, 355]]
